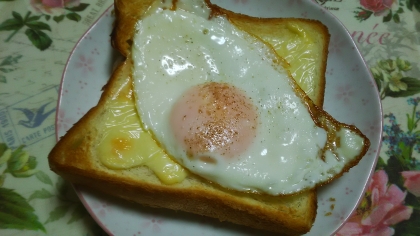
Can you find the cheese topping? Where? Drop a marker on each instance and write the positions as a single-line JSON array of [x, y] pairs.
[[300, 51], [126, 145]]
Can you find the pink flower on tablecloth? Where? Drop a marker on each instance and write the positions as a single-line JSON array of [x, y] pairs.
[[377, 6], [381, 208], [53, 7], [412, 181]]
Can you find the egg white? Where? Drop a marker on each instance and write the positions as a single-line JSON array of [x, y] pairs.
[[176, 50]]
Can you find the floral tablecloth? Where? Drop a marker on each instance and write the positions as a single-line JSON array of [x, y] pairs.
[[37, 36]]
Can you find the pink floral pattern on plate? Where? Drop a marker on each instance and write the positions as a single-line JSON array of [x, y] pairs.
[[153, 223], [345, 93], [86, 63]]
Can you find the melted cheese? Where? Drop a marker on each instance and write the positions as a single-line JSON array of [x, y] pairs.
[[126, 145], [300, 51]]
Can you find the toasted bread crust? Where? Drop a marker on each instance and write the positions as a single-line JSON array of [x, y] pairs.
[[127, 13], [75, 159]]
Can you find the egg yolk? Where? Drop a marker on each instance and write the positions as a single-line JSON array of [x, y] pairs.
[[214, 118]]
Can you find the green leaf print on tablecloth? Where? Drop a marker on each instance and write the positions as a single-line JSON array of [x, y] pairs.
[[8, 64], [35, 28], [69, 205], [413, 4], [17, 213], [391, 79]]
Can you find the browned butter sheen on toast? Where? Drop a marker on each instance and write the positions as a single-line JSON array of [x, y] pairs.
[[75, 157]]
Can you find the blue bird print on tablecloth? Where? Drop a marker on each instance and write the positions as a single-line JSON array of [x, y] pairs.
[[34, 119]]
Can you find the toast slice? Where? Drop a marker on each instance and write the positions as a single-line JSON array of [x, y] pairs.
[[75, 157]]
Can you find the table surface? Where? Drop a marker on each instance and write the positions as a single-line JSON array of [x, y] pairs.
[[37, 38]]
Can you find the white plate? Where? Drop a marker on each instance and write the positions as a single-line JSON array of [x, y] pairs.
[[351, 97]]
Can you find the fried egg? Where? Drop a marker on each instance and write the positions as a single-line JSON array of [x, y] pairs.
[[221, 103]]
